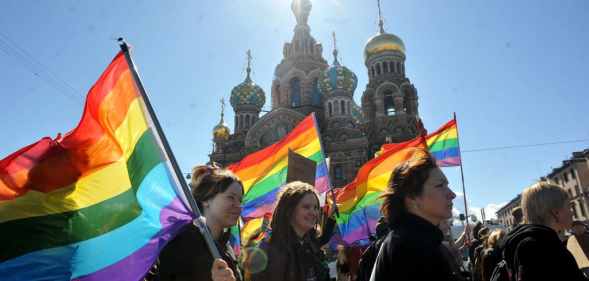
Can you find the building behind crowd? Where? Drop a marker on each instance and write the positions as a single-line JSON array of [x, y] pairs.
[[504, 214], [304, 82], [573, 175]]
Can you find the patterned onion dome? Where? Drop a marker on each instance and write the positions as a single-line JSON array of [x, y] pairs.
[[383, 42], [247, 93], [221, 131], [337, 77]]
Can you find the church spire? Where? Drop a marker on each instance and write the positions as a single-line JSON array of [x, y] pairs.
[[249, 65], [221, 122], [335, 61], [301, 10], [380, 19]]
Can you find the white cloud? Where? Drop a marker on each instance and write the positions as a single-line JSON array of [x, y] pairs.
[[490, 210]]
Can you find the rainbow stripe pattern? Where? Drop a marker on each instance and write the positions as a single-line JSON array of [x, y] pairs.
[[359, 202], [96, 204], [264, 172], [442, 144]]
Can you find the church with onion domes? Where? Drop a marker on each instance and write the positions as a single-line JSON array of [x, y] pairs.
[[304, 82]]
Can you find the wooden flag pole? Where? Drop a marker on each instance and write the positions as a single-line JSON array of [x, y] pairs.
[[199, 221]]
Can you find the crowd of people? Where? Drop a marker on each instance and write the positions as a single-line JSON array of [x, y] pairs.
[[413, 239]]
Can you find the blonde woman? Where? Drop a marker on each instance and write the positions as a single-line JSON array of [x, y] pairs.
[[533, 251]]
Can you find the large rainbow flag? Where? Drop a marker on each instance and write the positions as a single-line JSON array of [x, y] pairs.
[[264, 172], [359, 202], [96, 204], [442, 144]]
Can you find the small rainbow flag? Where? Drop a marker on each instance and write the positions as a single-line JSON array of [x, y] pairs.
[[359, 202], [96, 204], [264, 172], [442, 144]]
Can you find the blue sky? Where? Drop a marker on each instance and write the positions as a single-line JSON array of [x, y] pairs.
[[515, 72]]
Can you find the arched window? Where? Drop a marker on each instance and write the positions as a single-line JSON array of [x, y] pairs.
[[385, 66], [372, 71], [330, 109], [349, 108], [247, 121], [336, 108], [389, 105], [378, 69], [295, 92], [392, 67], [343, 106], [339, 172], [316, 94]]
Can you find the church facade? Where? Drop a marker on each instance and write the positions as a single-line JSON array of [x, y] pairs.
[[304, 82]]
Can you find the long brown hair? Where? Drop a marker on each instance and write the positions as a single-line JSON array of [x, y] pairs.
[[407, 180], [209, 180], [289, 198]]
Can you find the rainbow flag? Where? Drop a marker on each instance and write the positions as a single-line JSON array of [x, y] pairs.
[[264, 172], [359, 202], [96, 204], [442, 144], [235, 240]]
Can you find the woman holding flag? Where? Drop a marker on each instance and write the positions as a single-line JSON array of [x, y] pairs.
[[288, 255], [218, 193], [417, 201]]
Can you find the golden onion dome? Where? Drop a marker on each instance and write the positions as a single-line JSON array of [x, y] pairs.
[[221, 132], [383, 42]]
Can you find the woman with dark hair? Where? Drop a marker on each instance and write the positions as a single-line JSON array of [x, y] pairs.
[[218, 194], [289, 254], [417, 201]]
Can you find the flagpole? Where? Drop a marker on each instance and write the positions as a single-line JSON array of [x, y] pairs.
[[199, 222], [462, 177]]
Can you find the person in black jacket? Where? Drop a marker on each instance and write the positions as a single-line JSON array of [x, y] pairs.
[[417, 200], [533, 250], [218, 193]]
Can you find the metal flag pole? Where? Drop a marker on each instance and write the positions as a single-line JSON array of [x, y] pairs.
[[462, 177], [199, 221]]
